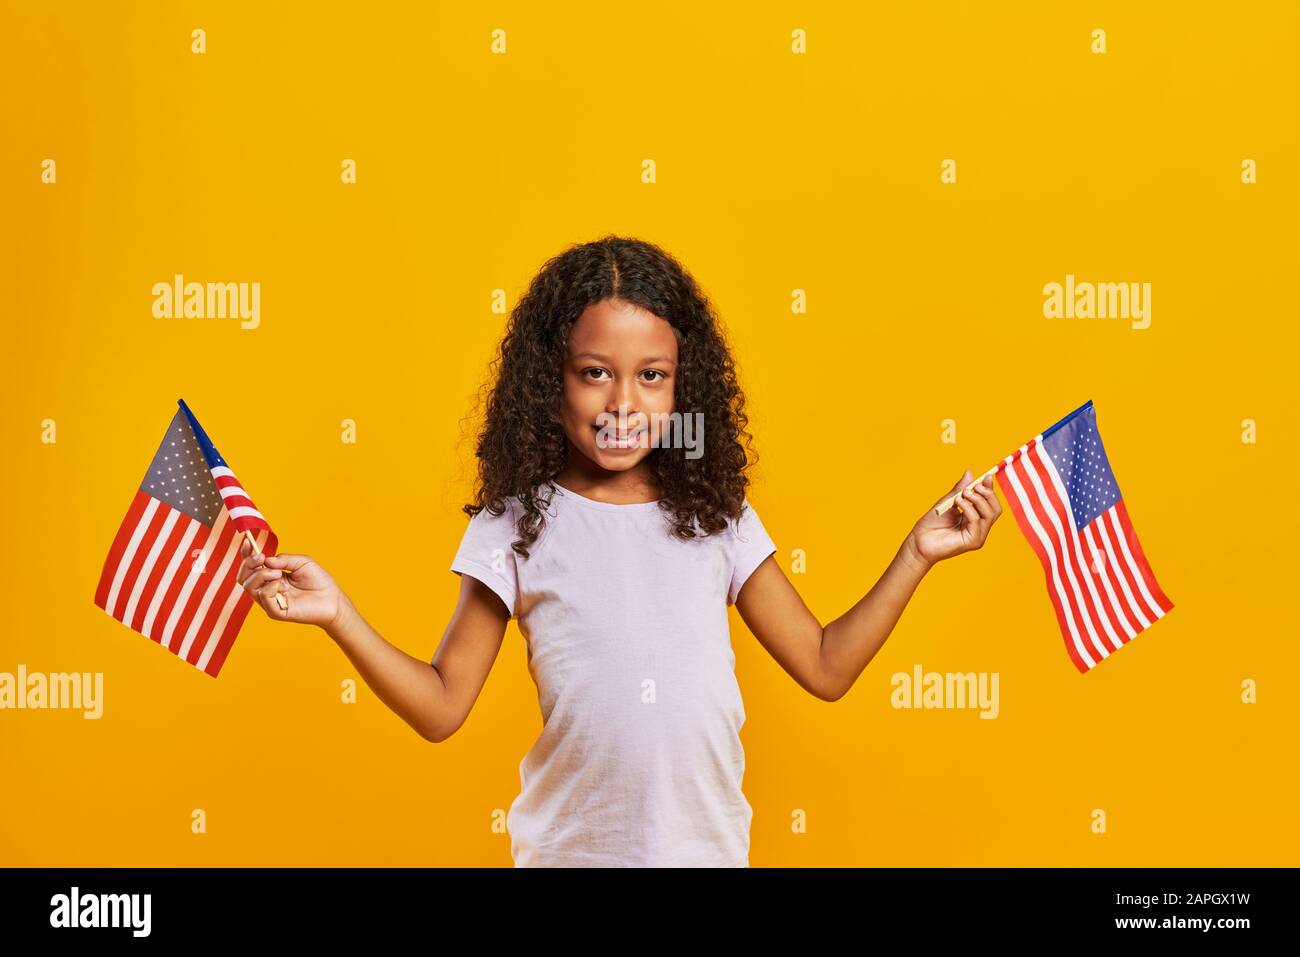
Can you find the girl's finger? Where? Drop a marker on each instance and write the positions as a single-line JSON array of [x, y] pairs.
[[969, 506], [952, 492], [994, 503], [246, 572], [260, 577], [290, 563], [973, 530], [981, 496], [266, 598], [997, 502], [250, 561]]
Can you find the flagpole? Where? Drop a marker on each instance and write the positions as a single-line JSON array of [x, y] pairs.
[[279, 599], [948, 502]]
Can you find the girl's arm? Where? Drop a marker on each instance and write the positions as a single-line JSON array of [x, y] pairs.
[[826, 661], [434, 697]]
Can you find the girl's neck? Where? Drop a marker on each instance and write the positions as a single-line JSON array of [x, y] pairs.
[[637, 485]]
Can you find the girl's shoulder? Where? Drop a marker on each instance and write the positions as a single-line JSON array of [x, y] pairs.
[[502, 510], [749, 525], [493, 529], [751, 544], [739, 530]]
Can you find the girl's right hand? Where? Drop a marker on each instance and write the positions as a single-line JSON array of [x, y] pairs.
[[309, 592]]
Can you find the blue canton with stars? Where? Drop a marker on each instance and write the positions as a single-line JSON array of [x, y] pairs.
[[205, 444], [1080, 459], [179, 476]]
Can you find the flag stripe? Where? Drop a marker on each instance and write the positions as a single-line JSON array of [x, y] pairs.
[[163, 588], [1122, 574], [1038, 539], [1101, 612], [158, 540], [1051, 519], [217, 630], [233, 496], [1131, 574], [218, 588], [128, 556], [118, 548], [1106, 573], [138, 561], [247, 513], [198, 597], [193, 552], [1128, 543], [227, 639], [192, 576]]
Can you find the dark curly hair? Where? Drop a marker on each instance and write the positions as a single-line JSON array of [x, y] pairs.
[[522, 445]]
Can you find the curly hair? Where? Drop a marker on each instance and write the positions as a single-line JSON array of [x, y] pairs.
[[522, 445]]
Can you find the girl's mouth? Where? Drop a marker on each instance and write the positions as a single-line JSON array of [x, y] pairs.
[[614, 440]]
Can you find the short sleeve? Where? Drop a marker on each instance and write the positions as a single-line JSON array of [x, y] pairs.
[[485, 554], [751, 545]]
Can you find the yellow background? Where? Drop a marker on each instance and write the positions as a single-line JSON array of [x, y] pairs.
[[775, 172]]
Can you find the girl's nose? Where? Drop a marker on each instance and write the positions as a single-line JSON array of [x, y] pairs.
[[623, 399]]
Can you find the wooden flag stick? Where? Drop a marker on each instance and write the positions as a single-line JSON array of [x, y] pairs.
[[948, 502], [279, 599]]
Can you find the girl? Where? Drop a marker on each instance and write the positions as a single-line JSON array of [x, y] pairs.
[[611, 521]]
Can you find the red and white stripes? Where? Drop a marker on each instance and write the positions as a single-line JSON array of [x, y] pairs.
[[173, 579], [1100, 583], [236, 500]]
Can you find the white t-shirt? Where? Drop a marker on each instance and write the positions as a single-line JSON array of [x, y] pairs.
[[639, 761]]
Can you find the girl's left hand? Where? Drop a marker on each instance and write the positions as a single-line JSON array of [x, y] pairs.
[[962, 528]]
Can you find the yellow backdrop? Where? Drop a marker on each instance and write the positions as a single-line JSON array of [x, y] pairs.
[[920, 174]]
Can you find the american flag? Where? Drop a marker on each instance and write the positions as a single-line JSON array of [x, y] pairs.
[[171, 573], [1067, 503]]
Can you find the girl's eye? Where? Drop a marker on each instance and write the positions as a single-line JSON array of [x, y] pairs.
[[592, 372]]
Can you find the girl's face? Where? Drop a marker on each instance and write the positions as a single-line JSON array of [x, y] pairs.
[[620, 357]]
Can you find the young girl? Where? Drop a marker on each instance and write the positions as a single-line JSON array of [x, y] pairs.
[[611, 521]]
